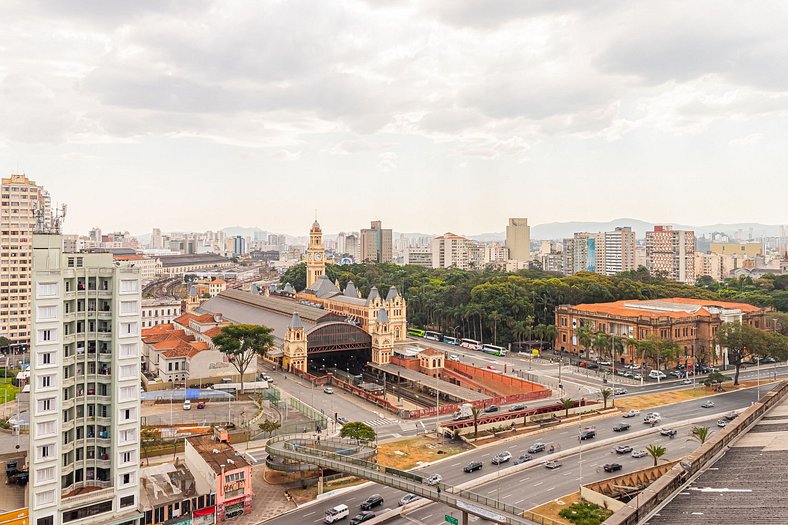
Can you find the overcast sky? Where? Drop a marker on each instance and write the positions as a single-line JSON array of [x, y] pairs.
[[432, 115]]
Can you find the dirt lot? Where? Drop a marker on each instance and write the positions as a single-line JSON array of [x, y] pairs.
[[408, 453], [551, 509], [675, 396]]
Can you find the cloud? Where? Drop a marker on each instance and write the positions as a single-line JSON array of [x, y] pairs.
[[387, 161]]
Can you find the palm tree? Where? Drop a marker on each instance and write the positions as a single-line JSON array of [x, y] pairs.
[[550, 334], [585, 338], [600, 343], [475, 411], [566, 404], [605, 393], [656, 452], [701, 434], [495, 317], [539, 334], [633, 343]]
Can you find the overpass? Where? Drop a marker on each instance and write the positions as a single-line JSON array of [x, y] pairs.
[[308, 450]]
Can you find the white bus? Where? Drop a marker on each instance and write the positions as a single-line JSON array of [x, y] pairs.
[[450, 340], [435, 336], [337, 513], [494, 350], [473, 344]]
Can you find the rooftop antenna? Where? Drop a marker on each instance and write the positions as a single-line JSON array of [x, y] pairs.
[[48, 222]]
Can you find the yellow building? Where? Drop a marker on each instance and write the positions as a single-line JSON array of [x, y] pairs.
[[749, 249]]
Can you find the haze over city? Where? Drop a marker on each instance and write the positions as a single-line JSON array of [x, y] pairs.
[[434, 116]]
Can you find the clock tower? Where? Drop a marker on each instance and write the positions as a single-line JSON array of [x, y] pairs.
[[315, 255]]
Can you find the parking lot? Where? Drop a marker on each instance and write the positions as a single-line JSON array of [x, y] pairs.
[[164, 413]]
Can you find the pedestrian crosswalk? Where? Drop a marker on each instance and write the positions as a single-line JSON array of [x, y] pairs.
[[380, 422]]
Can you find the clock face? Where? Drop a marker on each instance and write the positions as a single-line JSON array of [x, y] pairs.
[[318, 256]]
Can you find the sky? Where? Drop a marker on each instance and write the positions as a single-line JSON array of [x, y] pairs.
[[430, 115]]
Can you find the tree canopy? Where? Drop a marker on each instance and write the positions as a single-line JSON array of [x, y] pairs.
[[358, 431], [242, 343], [742, 341]]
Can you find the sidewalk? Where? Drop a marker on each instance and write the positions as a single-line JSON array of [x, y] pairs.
[[269, 500]]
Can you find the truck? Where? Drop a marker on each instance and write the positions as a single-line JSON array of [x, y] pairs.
[[465, 412]]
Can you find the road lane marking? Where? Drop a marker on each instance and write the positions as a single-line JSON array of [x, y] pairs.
[[540, 483], [485, 455], [305, 515], [491, 491], [551, 488], [455, 465], [507, 496], [427, 517], [524, 479], [518, 502]]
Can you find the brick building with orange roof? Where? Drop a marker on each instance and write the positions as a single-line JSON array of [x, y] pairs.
[[692, 323]]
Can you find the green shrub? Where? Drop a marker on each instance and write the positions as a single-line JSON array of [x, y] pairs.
[[585, 513]]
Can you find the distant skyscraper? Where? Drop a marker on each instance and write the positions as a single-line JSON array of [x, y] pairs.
[[20, 197], [239, 246], [84, 387], [341, 243], [156, 240], [352, 246], [376, 243], [620, 246], [671, 253], [518, 239], [606, 253], [455, 251]]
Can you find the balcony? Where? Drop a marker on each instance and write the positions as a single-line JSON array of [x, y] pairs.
[[74, 495]]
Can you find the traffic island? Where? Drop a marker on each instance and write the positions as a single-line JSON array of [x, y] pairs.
[[645, 401], [548, 512], [408, 453]]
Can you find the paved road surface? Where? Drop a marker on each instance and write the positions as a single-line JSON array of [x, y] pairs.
[[551, 483]]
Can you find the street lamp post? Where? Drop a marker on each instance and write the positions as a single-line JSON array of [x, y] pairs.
[[758, 361]]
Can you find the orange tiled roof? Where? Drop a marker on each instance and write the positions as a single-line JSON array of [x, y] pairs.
[[213, 332], [620, 308], [157, 329]]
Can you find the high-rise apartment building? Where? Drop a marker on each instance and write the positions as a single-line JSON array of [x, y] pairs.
[[671, 253], [84, 387], [19, 199], [352, 247], [239, 246], [518, 239], [620, 246], [455, 251], [606, 253], [375, 243]]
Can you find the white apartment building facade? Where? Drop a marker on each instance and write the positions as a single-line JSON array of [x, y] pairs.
[[19, 198], [620, 247], [455, 251], [84, 399], [671, 253], [606, 253]]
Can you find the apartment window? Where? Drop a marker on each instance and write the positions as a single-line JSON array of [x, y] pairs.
[[128, 457], [46, 312], [46, 405], [45, 428], [128, 436], [46, 358], [128, 328], [45, 474], [128, 350], [127, 501], [48, 520], [45, 451], [128, 414], [47, 335], [126, 479], [46, 497], [47, 290], [129, 286], [127, 393], [45, 381], [237, 476], [128, 371], [129, 307]]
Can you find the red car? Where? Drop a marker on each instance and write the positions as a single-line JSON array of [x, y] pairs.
[[201, 404], [582, 364]]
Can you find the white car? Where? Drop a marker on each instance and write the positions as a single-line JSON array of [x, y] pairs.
[[722, 423], [433, 480], [454, 357], [631, 413], [707, 404], [187, 405], [639, 453]]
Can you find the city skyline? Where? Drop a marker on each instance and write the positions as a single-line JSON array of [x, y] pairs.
[[417, 113]]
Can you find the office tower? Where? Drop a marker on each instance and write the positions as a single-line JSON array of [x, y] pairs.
[[277, 239], [671, 253], [620, 246], [375, 243], [518, 239], [20, 198], [341, 243], [84, 378], [239, 246], [156, 240]]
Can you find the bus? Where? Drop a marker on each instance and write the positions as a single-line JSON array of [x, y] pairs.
[[473, 344], [494, 350], [416, 332], [436, 336], [450, 340]]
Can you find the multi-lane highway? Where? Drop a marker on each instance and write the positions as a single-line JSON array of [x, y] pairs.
[[541, 484]]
